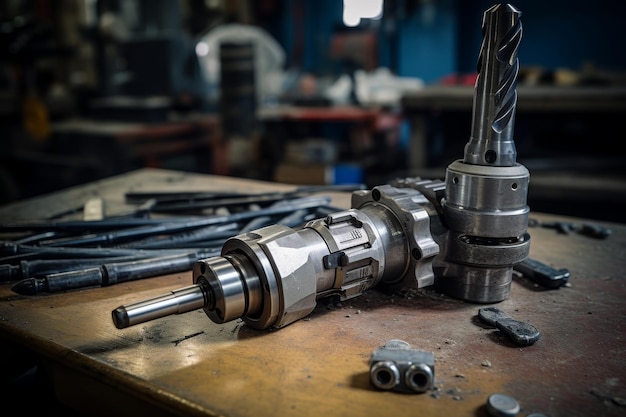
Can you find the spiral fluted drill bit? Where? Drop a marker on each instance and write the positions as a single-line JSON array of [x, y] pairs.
[[495, 96], [485, 204]]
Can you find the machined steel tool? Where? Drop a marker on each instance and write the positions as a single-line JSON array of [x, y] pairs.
[[485, 205], [463, 235]]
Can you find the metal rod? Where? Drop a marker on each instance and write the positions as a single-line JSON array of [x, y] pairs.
[[177, 302], [111, 273]]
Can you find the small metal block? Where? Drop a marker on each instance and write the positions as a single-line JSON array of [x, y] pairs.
[[396, 366]]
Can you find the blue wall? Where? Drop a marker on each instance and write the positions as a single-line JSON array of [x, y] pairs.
[[557, 33], [419, 43], [428, 42], [432, 42]]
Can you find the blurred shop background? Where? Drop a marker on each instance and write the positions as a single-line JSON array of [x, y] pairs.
[[304, 92]]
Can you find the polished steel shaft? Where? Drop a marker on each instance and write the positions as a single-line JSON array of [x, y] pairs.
[[179, 301]]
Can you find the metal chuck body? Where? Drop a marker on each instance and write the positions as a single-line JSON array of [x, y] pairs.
[[487, 217]]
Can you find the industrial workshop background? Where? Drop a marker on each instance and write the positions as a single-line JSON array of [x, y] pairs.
[[304, 92]]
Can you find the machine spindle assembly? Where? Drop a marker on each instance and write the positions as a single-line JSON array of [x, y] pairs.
[[463, 235]]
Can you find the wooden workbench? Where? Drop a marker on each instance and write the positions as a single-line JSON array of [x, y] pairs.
[[187, 365]]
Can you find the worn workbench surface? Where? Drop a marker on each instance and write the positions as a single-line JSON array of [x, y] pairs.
[[187, 365]]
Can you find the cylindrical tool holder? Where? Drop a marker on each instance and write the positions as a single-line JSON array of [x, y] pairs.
[[487, 217]]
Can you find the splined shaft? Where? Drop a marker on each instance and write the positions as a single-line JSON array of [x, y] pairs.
[[495, 96]]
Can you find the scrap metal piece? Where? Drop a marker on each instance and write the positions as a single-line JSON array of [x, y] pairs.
[[543, 274], [502, 405], [595, 230], [522, 333], [93, 209], [396, 366]]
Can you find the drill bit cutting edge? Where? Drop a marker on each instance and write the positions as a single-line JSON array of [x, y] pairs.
[[495, 96], [463, 236]]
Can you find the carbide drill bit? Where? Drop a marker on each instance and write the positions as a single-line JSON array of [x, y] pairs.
[[495, 96]]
